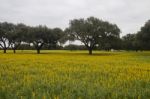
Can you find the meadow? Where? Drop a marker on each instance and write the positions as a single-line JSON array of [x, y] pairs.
[[74, 75]]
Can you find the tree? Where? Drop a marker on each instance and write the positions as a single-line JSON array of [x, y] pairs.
[[92, 31], [130, 42], [5, 30], [143, 36], [16, 36], [54, 37], [37, 36], [110, 42]]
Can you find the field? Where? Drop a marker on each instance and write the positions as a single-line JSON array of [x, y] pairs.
[[74, 75]]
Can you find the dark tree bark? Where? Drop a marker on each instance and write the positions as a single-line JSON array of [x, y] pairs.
[[4, 45], [90, 51], [90, 46], [136, 50], [15, 46], [38, 46], [14, 51], [4, 50], [38, 51]]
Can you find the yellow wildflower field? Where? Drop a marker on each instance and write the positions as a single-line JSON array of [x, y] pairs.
[[74, 75]]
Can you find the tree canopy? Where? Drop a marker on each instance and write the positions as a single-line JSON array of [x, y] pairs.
[[143, 36], [92, 31]]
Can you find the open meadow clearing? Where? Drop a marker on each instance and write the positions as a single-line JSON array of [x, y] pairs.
[[74, 75]]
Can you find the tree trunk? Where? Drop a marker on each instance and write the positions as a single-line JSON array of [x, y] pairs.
[[4, 50], [38, 51], [136, 50], [14, 51], [90, 51]]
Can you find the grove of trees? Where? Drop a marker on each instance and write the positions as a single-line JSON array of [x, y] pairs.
[[92, 32], [12, 36]]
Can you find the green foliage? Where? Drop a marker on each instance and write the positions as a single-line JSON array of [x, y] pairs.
[[17, 35], [143, 36], [92, 32], [130, 42], [12, 36], [5, 33]]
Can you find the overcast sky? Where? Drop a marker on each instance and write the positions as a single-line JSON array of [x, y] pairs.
[[129, 15]]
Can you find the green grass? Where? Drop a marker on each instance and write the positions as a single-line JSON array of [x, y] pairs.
[[74, 75]]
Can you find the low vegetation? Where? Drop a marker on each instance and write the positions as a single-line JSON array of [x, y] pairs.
[[74, 75]]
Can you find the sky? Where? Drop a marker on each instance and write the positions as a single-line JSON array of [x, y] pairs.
[[129, 15]]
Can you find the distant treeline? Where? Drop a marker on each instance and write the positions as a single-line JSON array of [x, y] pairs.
[[92, 32]]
